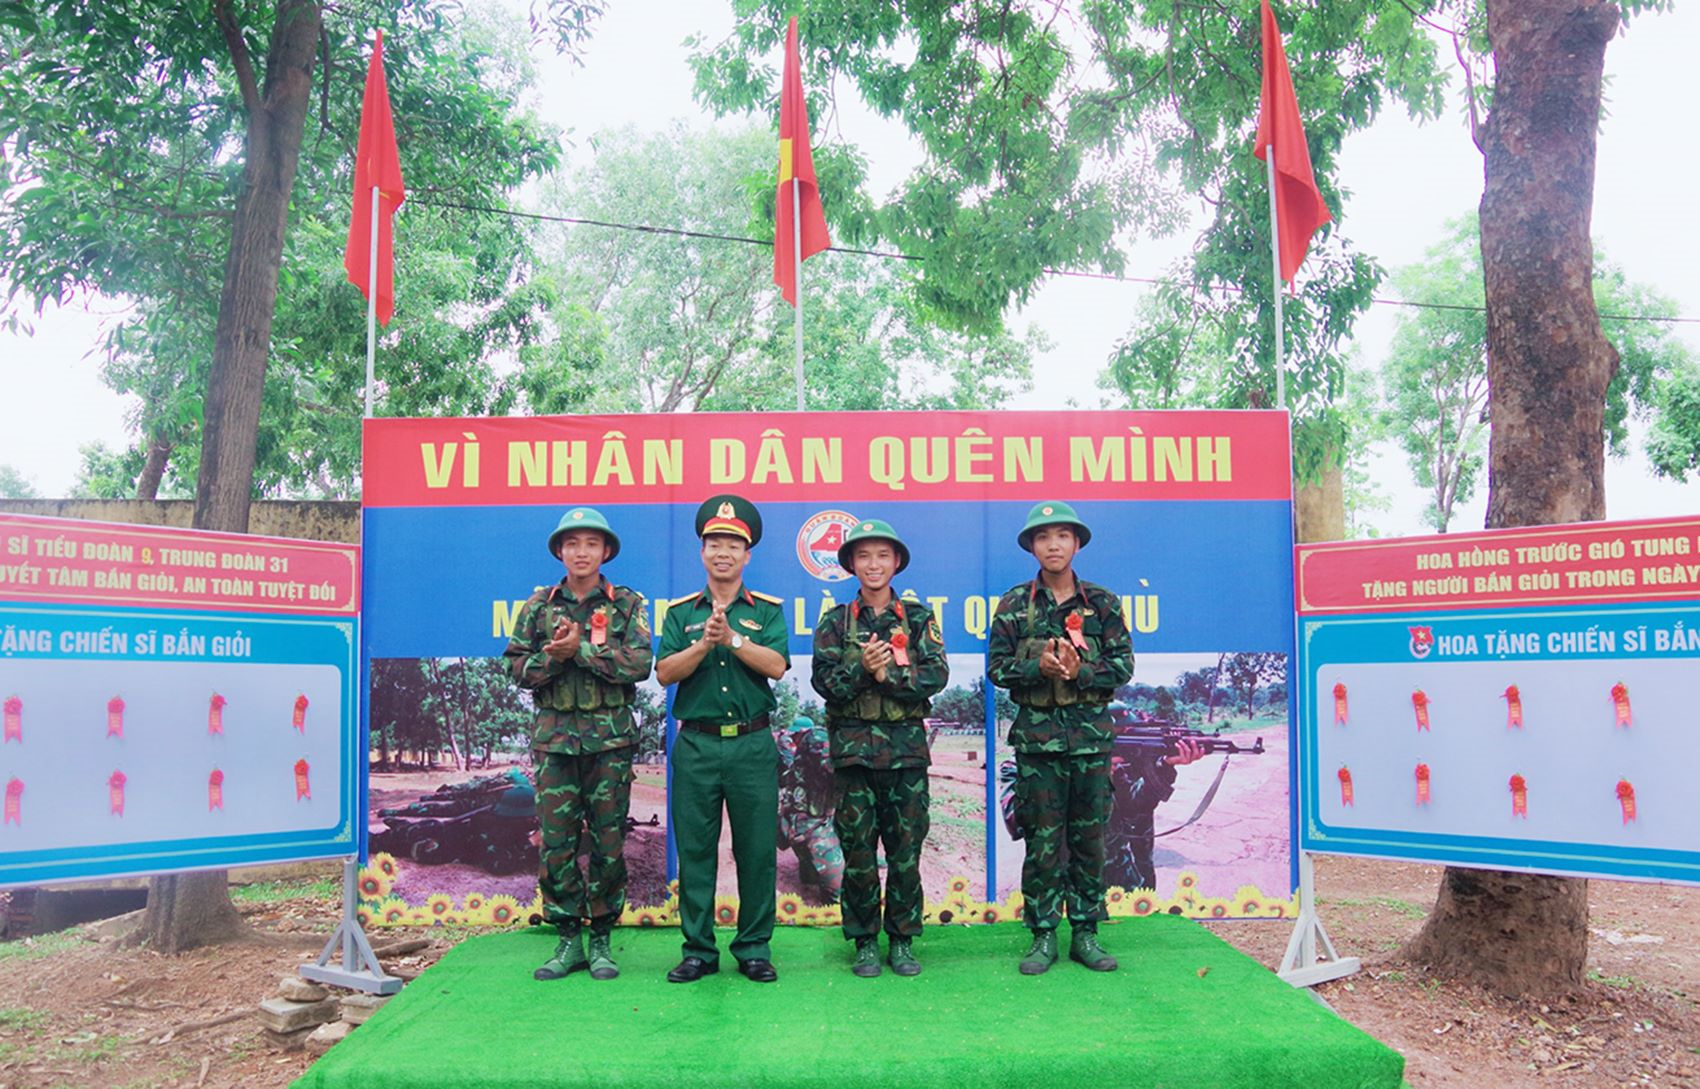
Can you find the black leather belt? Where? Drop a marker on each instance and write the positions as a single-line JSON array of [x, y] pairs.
[[724, 729]]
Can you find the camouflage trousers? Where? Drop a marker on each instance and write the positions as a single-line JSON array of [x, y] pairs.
[[583, 796], [878, 808], [815, 843], [1063, 801]]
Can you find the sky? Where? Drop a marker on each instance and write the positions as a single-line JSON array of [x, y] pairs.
[[1404, 182]]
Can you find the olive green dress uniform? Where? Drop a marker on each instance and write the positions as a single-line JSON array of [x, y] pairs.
[[1062, 739], [724, 755]]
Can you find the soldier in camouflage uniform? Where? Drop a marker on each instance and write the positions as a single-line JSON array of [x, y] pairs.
[[805, 806], [878, 661], [580, 647], [1061, 647]]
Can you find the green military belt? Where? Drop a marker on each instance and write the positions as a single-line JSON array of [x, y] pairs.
[[725, 729]]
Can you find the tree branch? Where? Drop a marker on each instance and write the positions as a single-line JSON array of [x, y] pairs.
[[239, 55]]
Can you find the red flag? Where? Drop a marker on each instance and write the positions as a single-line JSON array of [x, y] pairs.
[[795, 161], [1298, 203], [376, 163]]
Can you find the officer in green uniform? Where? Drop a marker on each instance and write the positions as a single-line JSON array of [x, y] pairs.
[[581, 646], [1061, 647], [724, 646], [877, 663]]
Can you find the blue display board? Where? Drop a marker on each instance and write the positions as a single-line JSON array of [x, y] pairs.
[[1517, 700], [174, 700]]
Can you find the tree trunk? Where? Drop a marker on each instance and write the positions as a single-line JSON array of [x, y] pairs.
[[195, 909], [1319, 508], [153, 469], [1548, 366]]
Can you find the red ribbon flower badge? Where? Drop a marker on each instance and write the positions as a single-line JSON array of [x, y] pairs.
[[1422, 784], [900, 647], [1340, 703], [1513, 706], [1075, 625], [302, 788], [115, 792], [1626, 799], [14, 719], [1620, 703], [299, 718], [215, 790], [1519, 796], [598, 628], [1345, 786], [14, 802], [215, 714], [115, 717], [1419, 703]]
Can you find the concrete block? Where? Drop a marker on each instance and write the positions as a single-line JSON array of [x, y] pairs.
[[283, 1016], [356, 1008]]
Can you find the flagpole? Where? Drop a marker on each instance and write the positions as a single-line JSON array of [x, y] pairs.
[[797, 263], [372, 305], [1275, 257]]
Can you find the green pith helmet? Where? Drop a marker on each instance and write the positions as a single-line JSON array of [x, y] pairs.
[[804, 731], [1052, 513], [583, 518], [516, 801], [732, 515], [872, 530]]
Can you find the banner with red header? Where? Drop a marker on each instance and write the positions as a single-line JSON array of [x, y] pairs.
[[1515, 699], [170, 695], [1191, 518]]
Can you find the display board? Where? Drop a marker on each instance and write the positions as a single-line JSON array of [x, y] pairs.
[[1516, 699], [1191, 517], [174, 699]]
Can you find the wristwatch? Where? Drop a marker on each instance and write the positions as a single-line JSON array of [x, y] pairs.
[[737, 640]]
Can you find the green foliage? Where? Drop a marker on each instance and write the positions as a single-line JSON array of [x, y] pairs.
[[1673, 446], [663, 323], [1246, 671], [1435, 375], [1050, 134], [46, 945], [15, 485], [468, 706], [1436, 378], [130, 139]]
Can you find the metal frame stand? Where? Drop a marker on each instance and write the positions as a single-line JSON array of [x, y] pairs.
[[359, 969], [1300, 966]]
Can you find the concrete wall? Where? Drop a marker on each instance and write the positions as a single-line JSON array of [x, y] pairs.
[[310, 520]]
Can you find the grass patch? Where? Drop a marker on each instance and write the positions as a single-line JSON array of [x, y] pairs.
[[1622, 983], [22, 1019], [1392, 903], [97, 1050], [44, 946], [274, 892]]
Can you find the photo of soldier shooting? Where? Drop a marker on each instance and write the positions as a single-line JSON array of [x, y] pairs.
[[1198, 774]]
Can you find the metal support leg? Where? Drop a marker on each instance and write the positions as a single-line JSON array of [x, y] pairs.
[[359, 969], [1300, 965]]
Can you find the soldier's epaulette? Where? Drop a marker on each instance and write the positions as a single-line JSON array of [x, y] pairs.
[[769, 598], [676, 602], [627, 591]]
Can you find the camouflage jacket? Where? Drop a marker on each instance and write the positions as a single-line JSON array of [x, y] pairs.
[[584, 705], [1058, 716], [873, 724]]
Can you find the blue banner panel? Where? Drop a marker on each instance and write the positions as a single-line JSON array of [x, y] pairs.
[[1552, 738]]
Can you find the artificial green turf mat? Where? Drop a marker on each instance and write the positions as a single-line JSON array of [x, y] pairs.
[[477, 1019]]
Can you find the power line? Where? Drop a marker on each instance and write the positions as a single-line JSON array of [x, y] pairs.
[[893, 255]]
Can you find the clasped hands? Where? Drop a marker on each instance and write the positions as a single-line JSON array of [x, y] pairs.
[[877, 656], [1059, 660], [563, 646]]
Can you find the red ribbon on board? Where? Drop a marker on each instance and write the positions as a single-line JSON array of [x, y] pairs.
[[14, 802], [215, 790], [1345, 786], [215, 714], [1340, 703], [1620, 703], [1513, 707], [1422, 784], [299, 718], [302, 788], [115, 717], [1519, 796], [1419, 703], [115, 792], [1626, 799]]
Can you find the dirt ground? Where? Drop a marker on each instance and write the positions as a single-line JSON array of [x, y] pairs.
[[82, 1009]]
